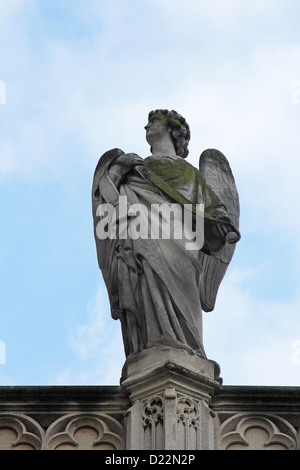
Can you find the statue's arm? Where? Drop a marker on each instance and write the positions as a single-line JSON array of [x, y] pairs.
[[114, 173], [216, 235], [123, 165]]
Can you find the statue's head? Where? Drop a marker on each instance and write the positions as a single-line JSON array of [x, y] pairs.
[[177, 126]]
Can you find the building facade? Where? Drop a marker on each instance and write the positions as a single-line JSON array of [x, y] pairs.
[[160, 405]]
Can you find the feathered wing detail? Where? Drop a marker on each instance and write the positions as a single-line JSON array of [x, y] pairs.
[[218, 176], [100, 179]]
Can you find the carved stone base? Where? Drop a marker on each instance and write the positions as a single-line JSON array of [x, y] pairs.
[[170, 392]]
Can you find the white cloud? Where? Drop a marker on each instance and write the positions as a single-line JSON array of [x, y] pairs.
[[9, 8], [230, 16], [87, 338], [101, 103], [97, 345], [68, 102], [246, 111], [7, 157], [253, 120], [252, 339]]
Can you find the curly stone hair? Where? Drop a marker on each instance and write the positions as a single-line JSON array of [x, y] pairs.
[[180, 130]]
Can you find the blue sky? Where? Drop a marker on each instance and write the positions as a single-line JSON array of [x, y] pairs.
[[80, 78]]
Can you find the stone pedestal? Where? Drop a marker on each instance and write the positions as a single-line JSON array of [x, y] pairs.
[[170, 393]]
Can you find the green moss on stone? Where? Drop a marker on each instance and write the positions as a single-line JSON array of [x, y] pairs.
[[173, 122]]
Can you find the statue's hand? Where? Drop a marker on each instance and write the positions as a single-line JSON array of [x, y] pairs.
[[122, 165], [132, 159], [227, 233], [232, 237], [218, 235]]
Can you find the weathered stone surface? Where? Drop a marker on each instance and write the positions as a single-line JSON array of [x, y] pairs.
[[159, 285], [170, 391], [57, 417], [77, 418]]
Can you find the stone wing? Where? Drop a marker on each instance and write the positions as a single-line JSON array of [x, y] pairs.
[[218, 176], [100, 178]]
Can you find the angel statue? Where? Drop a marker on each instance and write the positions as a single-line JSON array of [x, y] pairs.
[[157, 286]]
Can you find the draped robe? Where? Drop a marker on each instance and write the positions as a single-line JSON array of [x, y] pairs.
[[154, 284]]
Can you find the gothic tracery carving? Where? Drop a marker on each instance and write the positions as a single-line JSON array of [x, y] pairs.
[[188, 423], [257, 432], [188, 412], [82, 431], [153, 411], [152, 418], [19, 432]]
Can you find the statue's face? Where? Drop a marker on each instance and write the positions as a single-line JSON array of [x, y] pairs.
[[155, 129]]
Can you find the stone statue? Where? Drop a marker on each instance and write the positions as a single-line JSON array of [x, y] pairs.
[[159, 282]]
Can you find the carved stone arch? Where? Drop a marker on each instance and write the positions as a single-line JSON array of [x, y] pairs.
[[85, 431], [153, 421], [247, 431], [19, 432], [189, 422]]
